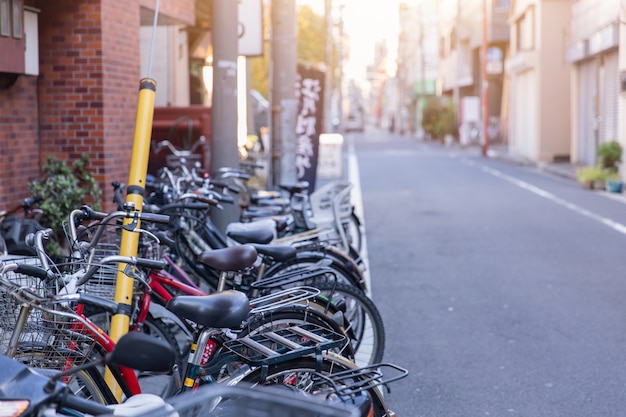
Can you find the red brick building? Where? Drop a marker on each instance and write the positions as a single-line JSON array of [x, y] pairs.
[[81, 96]]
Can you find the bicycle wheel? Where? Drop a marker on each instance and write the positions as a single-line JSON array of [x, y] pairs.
[[159, 384], [86, 383], [306, 375], [362, 318]]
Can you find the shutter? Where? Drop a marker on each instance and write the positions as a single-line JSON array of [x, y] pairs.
[[587, 87], [610, 93]]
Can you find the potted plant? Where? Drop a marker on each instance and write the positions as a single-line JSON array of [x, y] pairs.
[[609, 155], [614, 182], [589, 175]]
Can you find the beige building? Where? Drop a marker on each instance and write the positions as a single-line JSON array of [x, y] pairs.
[[461, 24], [539, 126], [593, 55]]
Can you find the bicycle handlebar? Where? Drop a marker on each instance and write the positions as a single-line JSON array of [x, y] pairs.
[[181, 153], [131, 260]]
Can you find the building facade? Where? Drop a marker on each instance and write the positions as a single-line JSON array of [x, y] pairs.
[[463, 26], [71, 85], [593, 55]]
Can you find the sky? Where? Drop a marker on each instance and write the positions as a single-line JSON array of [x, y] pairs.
[[366, 22]]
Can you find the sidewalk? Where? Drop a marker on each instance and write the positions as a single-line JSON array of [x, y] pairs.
[[562, 169]]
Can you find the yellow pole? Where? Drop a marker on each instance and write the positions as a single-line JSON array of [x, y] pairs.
[[134, 197]]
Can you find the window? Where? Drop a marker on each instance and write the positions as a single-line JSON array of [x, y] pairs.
[[5, 18], [11, 14], [525, 28], [17, 19]]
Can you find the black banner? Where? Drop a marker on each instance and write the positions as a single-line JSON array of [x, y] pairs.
[[310, 116]]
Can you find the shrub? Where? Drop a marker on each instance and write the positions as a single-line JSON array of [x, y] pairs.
[[439, 118], [63, 189], [609, 155]]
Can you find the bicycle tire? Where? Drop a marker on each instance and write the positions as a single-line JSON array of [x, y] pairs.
[[362, 317], [354, 232], [340, 267], [285, 373], [85, 383]]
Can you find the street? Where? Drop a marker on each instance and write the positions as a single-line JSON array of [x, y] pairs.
[[502, 288]]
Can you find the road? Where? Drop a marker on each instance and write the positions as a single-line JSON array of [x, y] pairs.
[[502, 288]]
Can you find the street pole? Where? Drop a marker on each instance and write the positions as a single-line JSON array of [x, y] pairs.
[[134, 201], [224, 151], [485, 84], [328, 11], [456, 94], [283, 101]]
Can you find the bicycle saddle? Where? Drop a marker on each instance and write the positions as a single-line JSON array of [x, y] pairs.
[[262, 231], [281, 253], [226, 309], [233, 258]]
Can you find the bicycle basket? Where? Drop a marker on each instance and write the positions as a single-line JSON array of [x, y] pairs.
[[42, 332], [102, 284], [26, 281]]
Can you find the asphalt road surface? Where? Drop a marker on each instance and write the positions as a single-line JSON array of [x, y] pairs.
[[502, 288]]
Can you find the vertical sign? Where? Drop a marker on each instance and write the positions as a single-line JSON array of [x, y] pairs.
[[310, 116], [250, 27]]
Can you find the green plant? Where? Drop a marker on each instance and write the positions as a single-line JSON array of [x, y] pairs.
[[590, 174], [609, 155], [63, 189], [612, 176], [438, 118]]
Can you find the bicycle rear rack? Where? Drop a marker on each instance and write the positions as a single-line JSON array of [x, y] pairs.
[[282, 298], [280, 345], [352, 381]]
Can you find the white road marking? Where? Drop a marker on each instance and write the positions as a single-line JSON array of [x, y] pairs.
[[618, 227], [354, 177]]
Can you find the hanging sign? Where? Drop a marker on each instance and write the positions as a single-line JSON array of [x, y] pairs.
[[310, 115]]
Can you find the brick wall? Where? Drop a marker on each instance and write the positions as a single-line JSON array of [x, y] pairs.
[[19, 147]]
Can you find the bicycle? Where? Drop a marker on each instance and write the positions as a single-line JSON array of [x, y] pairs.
[[254, 357], [161, 286], [34, 394], [14, 228]]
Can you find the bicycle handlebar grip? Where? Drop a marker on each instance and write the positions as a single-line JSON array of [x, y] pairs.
[[31, 201], [198, 206], [251, 165], [91, 214], [226, 199], [33, 271], [150, 263], [155, 218], [224, 184]]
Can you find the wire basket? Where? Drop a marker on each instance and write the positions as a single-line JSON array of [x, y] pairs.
[[42, 331], [26, 281], [103, 282]]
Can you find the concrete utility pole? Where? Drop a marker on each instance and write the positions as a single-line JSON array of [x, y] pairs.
[[328, 11], [224, 150], [283, 68]]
